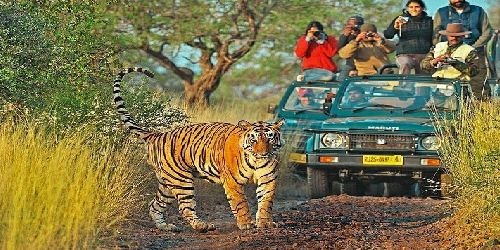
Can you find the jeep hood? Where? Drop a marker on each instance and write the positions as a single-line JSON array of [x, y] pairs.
[[298, 124], [417, 125]]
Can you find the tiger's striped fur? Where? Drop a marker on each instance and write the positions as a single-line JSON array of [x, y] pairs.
[[232, 155]]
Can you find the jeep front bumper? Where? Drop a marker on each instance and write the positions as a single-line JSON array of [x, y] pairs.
[[368, 161]]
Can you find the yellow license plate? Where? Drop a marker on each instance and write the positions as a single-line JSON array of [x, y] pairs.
[[299, 158], [385, 160]]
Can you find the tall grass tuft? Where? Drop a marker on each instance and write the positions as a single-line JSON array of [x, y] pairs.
[[471, 151], [60, 194]]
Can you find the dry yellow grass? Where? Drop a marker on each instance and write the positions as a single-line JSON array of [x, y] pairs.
[[229, 110], [471, 150], [60, 194]]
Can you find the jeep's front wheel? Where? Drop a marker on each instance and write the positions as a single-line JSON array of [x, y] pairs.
[[317, 180]]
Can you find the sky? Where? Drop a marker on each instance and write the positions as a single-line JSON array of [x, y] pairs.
[[434, 5]]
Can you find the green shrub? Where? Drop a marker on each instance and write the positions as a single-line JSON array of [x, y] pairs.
[[57, 63]]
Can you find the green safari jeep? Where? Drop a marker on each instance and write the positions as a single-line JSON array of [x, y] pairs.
[[301, 105], [380, 138]]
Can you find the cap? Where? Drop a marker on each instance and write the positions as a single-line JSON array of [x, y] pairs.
[[367, 27]]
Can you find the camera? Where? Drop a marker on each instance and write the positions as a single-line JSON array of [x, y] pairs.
[[370, 34], [447, 61], [321, 35], [405, 19], [450, 60], [356, 27]]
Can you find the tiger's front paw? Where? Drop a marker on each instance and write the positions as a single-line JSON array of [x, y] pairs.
[[266, 223], [202, 226]]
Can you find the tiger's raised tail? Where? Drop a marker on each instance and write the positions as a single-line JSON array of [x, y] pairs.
[[120, 103]]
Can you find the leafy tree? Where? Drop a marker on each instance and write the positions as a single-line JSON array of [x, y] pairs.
[[200, 41], [218, 33], [56, 60]]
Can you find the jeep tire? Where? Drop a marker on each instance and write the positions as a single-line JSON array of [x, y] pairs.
[[391, 189], [349, 188], [385, 189], [415, 189], [317, 181]]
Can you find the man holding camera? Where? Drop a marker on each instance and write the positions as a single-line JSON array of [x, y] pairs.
[[350, 32], [475, 20], [453, 59], [369, 50], [316, 49]]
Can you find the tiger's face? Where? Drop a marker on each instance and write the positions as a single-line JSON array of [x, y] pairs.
[[261, 139]]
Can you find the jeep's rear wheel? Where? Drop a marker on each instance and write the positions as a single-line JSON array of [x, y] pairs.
[[317, 180], [349, 188], [391, 189], [415, 189], [445, 186], [385, 189]]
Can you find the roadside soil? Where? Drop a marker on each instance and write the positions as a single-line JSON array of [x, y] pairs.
[[333, 222]]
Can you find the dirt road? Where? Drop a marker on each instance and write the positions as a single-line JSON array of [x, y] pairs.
[[334, 222]]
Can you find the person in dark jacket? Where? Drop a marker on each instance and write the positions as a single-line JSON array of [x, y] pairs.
[[316, 49], [414, 29], [475, 20], [349, 33]]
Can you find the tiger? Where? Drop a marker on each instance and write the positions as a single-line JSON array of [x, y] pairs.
[[224, 153]]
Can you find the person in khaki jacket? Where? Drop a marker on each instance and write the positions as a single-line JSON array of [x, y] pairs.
[[369, 50], [453, 59]]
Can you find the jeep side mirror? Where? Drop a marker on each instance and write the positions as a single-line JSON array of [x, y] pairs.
[[327, 106], [271, 108]]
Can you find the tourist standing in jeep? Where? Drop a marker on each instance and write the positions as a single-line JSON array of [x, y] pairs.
[[414, 29], [475, 20], [369, 50], [316, 49], [349, 33]]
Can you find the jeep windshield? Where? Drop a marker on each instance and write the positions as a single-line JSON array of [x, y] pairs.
[[309, 98], [406, 96]]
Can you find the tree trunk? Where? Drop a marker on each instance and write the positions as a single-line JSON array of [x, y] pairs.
[[196, 96], [198, 93]]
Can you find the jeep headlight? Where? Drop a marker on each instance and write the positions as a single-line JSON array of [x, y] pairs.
[[431, 143], [332, 140]]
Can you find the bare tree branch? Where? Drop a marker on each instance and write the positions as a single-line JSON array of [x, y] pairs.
[[190, 60], [166, 62]]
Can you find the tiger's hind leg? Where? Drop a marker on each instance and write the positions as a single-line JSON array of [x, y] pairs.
[[158, 206], [184, 193]]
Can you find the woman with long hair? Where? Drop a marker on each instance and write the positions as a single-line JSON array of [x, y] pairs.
[[316, 49], [415, 29]]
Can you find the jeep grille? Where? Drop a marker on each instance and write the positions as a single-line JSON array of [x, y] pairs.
[[381, 142]]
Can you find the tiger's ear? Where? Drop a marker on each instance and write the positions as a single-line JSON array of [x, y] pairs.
[[244, 124], [279, 123]]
